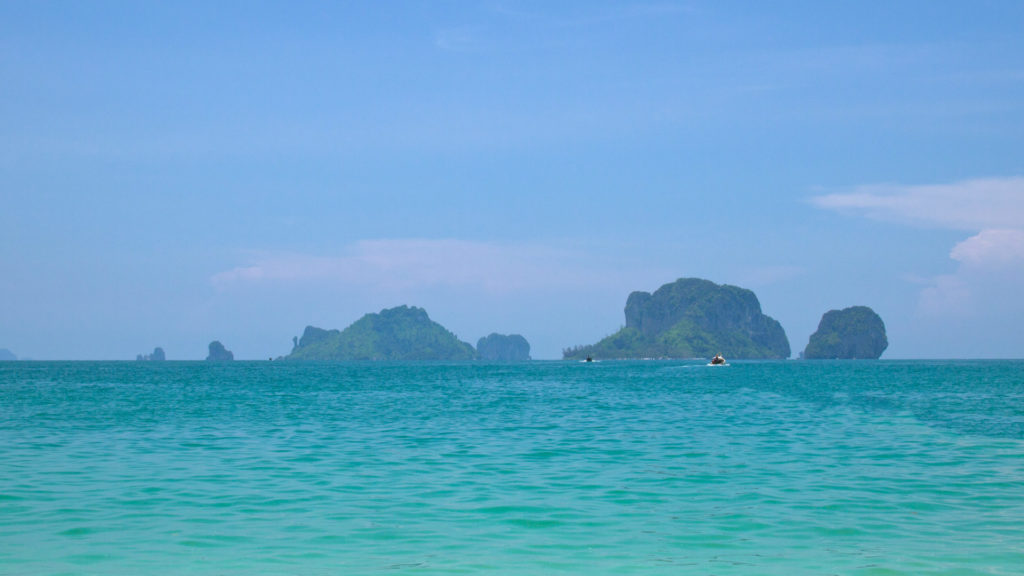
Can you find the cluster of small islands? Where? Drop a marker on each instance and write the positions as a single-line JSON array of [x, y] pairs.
[[688, 318]]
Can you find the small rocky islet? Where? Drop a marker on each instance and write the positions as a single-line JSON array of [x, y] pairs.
[[158, 355], [852, 333], [218, 353]]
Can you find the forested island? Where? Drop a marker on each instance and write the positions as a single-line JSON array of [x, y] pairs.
[[851, 333], [503, 348], [401, 333], [692, 318]]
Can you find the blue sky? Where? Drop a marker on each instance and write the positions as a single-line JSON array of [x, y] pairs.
[[174, 173]]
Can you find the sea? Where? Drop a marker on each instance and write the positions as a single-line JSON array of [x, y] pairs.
[[617, 467]]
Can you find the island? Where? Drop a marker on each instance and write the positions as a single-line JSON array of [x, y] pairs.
[[400, 333], [856, 332], [218, 353], [503, 348], [6, 354], [157, 356], [692, 318]]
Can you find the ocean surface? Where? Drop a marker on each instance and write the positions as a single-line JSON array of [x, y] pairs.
[[761, 468]]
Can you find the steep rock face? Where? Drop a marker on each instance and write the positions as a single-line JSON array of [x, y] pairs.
[[401, 333], [218, 353], [636, 304], [855, 332], [502, 348], [689, 318], [312, 335]]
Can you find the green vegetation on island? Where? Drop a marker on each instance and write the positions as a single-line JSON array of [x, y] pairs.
[[855, 332], [401, 333], [503, 348], [157, 356], [692, 318], [218, 353]]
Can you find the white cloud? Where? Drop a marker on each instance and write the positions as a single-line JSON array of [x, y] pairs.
[[990, 266], [967, 205], [991, 249], [946, 295], [988, 279], [402, 264]]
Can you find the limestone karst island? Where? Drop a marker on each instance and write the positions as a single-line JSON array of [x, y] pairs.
[[402, 333], [503, 348], [218, 353], [692, 318], [851, 333]]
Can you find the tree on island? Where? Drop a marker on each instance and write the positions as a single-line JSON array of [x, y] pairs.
[[218, 353]]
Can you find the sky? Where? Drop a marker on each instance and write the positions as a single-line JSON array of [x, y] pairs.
[[175, 173]]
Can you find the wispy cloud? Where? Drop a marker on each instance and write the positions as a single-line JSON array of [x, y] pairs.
[[992, 208], [967, 205], [594, 14], [403, 264], [458, 39], [991, 249]]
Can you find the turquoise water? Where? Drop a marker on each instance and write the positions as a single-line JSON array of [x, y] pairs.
[[871, 468]]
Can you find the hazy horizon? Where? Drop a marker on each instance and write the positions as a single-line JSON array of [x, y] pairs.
[[174, 174]]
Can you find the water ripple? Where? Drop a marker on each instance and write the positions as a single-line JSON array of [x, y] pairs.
[[620, 468]]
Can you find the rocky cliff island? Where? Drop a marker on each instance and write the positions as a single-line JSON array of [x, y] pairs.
[[402, 333], [218, 353], [851, 333], [692, 318], [503, 348]]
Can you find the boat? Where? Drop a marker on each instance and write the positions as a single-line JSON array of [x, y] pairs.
[[718, 360]]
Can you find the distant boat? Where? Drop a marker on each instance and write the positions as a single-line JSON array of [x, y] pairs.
[[589, 359], [717, 360]]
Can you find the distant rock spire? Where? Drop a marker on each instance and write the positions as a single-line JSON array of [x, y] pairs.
[[218, 353]]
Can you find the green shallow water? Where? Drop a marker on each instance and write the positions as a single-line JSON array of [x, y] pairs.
[[865, 468]]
